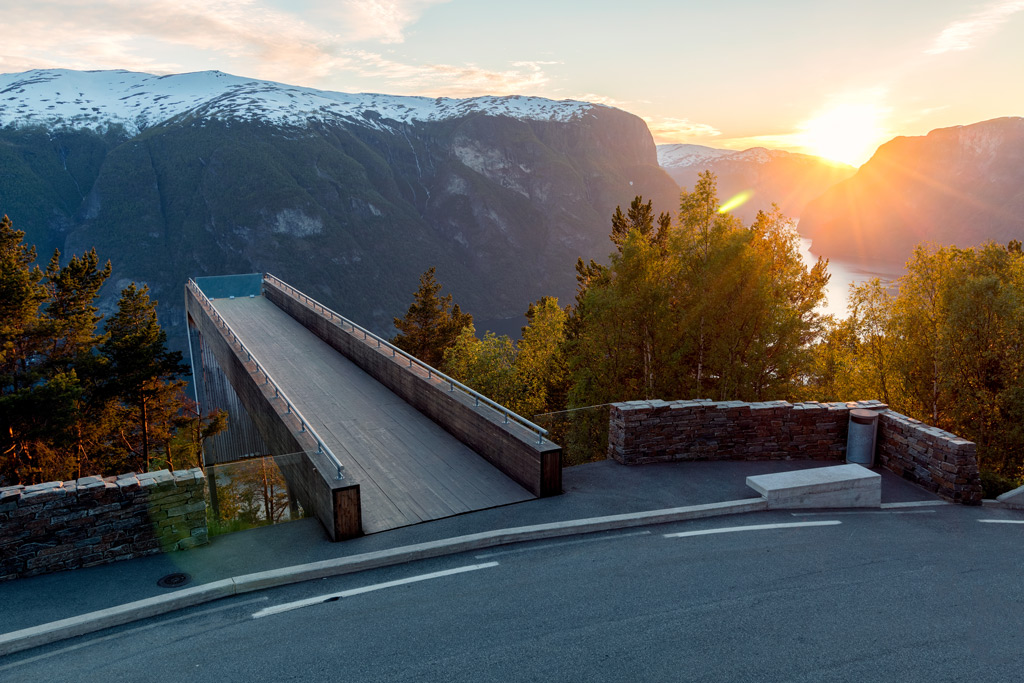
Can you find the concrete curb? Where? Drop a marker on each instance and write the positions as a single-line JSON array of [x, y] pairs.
[[44, 634]]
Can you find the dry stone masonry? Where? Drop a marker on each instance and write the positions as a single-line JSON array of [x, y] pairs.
[[659, 431], [95, 520], [939, 461]]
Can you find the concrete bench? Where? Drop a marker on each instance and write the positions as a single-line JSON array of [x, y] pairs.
[[1013, 499], [842, 486]]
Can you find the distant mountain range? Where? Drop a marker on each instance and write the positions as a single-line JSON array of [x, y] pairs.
[[349, 197], [788, 179], [962, 185]]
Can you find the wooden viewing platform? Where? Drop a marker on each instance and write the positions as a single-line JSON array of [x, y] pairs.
[[408, 468]]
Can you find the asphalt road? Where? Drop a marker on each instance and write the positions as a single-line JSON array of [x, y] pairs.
[[917, 594]]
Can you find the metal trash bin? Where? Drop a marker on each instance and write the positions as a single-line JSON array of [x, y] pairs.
[[860, 441]]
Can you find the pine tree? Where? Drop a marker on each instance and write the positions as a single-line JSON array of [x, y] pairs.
[[22, 425], [431, 324], [143, 375], [70, 319], [21, 295]]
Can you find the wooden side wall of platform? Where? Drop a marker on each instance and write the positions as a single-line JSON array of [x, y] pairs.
[[511, 448], [310, 475]]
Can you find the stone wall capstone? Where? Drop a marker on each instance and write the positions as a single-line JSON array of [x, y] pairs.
[[95, 520]]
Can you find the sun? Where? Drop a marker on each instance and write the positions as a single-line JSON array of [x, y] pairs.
[[848, 133]]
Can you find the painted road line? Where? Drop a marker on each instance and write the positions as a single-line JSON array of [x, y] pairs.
[[1001, 521], [864, 512], [752, 527], [128, 632], [546, 546], [914, 504], [331, 597]]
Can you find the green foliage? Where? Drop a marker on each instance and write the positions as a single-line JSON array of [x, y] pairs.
[[994, 484], [944, 345], [74, 402], [432, 323], [701, 308], [529, 377]]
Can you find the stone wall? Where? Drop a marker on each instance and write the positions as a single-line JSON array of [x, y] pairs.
[[935, 459], [659, 431], [655, 431], [66, 525]]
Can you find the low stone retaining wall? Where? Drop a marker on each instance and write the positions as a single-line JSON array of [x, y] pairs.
[[935, 459], [66, 525], [659, 431]]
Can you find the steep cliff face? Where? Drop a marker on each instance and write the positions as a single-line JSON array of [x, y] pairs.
[[773, 176], [348, 197], [961, 185]]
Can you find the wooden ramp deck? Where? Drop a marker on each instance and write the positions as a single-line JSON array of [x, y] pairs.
[[409, 469]]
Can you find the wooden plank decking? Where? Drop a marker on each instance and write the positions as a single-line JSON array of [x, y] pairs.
[[409, 469]]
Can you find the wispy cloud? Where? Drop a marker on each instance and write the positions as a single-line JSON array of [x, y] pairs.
[[250, 38], [450, 80], [667, 129], [382, 20], [965, 34]]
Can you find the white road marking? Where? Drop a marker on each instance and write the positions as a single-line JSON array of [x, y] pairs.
[[1001, 521], [559, 545], [752, 527], [914, 504], [119, 634], [330, 597], [864, 512]]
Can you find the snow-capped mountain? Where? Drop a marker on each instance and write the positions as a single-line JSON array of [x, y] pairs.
[[96, 100], [682, 156], [775, 176], [350, 197]]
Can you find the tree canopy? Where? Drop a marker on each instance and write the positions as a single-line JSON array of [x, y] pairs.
[[432, 322], [76, 402], [702, 307]]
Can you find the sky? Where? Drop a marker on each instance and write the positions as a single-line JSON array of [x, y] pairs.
[[834, 78]]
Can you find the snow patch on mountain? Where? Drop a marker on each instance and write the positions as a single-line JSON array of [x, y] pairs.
[[97, 100], [686, 156], [678, 155]]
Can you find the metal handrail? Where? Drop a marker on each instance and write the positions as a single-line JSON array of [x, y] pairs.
[[431, 371], [322, 448]]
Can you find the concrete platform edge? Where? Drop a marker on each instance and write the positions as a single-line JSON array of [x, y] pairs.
[[45, 634]]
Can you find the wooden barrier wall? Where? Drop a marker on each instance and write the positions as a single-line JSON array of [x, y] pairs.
[[512, 448], [310, 475]]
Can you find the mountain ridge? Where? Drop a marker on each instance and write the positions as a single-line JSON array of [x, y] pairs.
[[351, 209], [52, 97], [789, 179], [956, 185]]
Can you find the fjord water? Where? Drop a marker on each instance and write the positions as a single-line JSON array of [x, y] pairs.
[[845, 273]]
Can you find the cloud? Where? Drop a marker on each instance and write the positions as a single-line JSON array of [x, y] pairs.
[[601, 99], [448, 80], [381, 20], [667, 129], [247, 37], [964, 34], [125, 33]]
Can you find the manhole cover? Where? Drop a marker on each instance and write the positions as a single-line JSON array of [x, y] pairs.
[[174, 580]]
